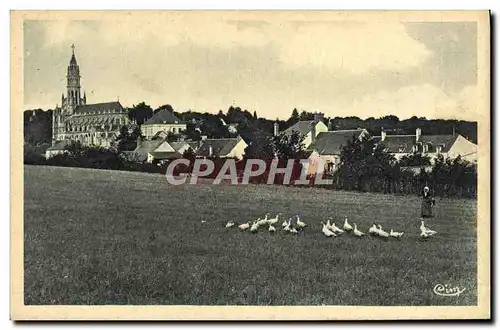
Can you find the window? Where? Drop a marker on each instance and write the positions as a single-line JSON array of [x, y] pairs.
[[415, 148], [173, 129], [426, 148], [438, 149]]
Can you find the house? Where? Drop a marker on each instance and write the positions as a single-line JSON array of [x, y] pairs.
[[167, 151], [307, 128], [223, 148], [165, 121], [328, 145], [57, 148], [143, 149], [448, 145]]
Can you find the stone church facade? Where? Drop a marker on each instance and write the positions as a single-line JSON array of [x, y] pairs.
[[91, 124]]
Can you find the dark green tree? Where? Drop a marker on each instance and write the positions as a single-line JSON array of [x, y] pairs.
[[294, 117], [415, 159], [140, 113], [167, 107]]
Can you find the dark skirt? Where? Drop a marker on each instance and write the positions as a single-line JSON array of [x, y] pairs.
[[426, 211]]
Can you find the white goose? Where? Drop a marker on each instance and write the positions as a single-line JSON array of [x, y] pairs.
[[244, 226], [230, 224], [425, 234], [272, 229], [328, 224], [326, 231], [357, 232], [255, 227], [273, 220], [396, 234], [299, 223], [263, 221], [285, 223], [381, 232], [294, 231], [373, 229], [347, 225], [335, 229], [288, 225], [423, 228]]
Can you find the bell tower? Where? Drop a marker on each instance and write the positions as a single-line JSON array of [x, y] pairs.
[[74, 97]]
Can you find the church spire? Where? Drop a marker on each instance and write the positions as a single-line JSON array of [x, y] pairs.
[[73, 82]]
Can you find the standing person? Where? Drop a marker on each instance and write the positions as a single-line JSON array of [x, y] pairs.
[[428, 202]]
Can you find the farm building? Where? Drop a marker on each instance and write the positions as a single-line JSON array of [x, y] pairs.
[[223, 148], [328, 146], [307, 128], [169, 150], [450, 145]]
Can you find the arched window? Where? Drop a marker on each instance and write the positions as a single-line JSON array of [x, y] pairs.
[[173, 130]]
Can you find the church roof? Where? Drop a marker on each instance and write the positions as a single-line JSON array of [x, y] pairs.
[[98, 107], [163, 117]]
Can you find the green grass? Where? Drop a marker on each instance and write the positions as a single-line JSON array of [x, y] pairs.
[[87, 241]]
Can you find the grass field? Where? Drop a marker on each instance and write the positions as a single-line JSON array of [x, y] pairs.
[[89, 240]]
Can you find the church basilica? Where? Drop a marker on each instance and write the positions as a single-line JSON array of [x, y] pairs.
[[91, 124]]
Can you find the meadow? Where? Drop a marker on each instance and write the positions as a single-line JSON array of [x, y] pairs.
[[108, 237]]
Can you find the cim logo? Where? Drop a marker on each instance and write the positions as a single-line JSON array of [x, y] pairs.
[[448, 290]]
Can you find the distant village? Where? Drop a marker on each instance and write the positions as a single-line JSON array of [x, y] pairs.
[[163, 136]]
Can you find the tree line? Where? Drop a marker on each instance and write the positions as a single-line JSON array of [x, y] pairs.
[[252, 128]]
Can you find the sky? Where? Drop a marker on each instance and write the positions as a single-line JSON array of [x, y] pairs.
[[208, 63]]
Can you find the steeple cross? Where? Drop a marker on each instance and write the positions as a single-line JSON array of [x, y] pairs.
[[73, 48]]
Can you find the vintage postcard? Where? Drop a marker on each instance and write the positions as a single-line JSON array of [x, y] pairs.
[[250, 165]]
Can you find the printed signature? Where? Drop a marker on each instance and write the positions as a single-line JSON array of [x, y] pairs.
[[447, 290]]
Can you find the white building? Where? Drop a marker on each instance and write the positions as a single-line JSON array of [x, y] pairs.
[[328, 146], [162, 121], [448, 145], [309, 129]]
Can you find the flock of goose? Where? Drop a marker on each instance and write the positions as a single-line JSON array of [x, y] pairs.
[[330, 229]]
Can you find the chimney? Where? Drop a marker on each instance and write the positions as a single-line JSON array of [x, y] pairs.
[[330, 125], [418, 133], [318, 116], [276, 128], [210, 151], [382, 134]]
